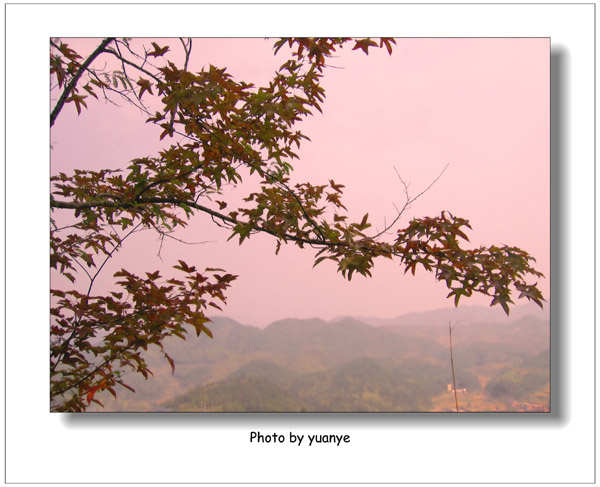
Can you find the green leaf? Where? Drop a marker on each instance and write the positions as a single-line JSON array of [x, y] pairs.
[[87, 258], [363, 223], [319, 260], [78, 100], [502, 301]]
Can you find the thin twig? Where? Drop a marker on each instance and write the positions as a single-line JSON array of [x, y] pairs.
[[409, 200], [167, 235], [187, 47]]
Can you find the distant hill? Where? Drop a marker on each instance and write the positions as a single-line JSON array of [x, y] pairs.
[[315, 344], [361, 385], [469, 314], [237, 394], [528, 334], [370, 385], [343, 365]]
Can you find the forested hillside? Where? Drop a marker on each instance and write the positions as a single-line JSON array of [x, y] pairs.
[[347, 365]]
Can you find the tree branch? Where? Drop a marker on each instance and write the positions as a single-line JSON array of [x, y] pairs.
[[85, 205], [136, 66], [71, 85]]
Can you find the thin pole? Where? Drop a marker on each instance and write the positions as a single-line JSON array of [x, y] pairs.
[[452, 364]]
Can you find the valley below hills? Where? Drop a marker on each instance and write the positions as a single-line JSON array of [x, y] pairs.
[[349, 365]]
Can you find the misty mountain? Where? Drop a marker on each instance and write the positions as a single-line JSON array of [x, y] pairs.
[[315, 365], [242, 393], [363, 384], [462, 313]]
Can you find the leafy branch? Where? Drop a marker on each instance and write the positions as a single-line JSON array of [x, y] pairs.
[[70, 87]]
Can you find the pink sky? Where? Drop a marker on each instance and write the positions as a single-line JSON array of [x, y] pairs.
[[479, 105]]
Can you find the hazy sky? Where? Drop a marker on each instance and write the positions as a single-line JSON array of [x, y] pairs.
[[479, 105]]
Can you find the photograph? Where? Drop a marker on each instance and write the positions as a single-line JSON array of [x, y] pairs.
[[300, 225]]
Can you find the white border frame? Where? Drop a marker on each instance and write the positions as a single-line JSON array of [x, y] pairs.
[[43, 447]]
